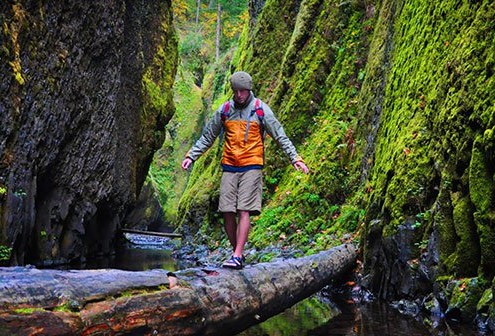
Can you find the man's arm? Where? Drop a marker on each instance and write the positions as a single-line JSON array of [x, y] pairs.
[[205, 141]]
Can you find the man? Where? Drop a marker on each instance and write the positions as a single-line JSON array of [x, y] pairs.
[[244, 120]]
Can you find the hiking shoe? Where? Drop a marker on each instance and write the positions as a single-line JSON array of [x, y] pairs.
[[233, 262]]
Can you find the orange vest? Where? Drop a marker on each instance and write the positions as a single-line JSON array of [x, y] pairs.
[[243, 138]]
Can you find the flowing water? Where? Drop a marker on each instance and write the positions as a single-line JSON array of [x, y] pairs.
[[322, 314]]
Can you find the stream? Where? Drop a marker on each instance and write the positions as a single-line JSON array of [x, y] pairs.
[[322, 314]]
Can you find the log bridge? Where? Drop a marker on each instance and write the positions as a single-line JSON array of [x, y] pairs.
[[198, 301]]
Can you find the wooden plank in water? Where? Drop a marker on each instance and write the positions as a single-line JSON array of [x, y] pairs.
[[152, 233]]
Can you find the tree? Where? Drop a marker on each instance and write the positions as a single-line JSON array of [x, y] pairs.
[[198, 9], [219, 31]]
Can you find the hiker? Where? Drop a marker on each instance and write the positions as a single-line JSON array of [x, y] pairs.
[[243, 120]]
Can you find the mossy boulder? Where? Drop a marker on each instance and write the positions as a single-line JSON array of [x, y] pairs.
[[464, 298]]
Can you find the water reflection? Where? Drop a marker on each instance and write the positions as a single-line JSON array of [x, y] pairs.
[[344, 319], [141, 253], [319, 316], [371, 319], [136, 259]]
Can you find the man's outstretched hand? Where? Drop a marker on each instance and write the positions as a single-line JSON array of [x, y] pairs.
[[186, 163], [299, 165]]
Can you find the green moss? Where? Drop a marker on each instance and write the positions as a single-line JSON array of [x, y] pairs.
[[481, 184], [262, 51], [156, 94], [5, 253], [486, 301], [11, 30], [27, 311], [423, 155], [72, 306], [157, 82], [485, 224], [466, 258], [444, 222], [465, 296]]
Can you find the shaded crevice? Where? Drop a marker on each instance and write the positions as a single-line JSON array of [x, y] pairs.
[[378, 94]]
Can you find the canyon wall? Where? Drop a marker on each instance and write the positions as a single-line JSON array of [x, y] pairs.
[[86, 90]]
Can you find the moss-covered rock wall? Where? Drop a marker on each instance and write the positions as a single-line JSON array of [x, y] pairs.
[[85, 95], [431, 162], [391, 103]]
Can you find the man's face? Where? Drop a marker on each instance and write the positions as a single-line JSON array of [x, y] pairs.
[[240, 96]]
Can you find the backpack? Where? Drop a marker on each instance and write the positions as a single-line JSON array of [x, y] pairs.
[[258, 109]]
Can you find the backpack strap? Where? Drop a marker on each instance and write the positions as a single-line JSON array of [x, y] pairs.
[[258, 109], [225, 110]]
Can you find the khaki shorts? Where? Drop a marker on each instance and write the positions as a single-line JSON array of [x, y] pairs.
[[241, 191]]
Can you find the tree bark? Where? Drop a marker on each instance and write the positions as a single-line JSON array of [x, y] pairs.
[[197, 301]]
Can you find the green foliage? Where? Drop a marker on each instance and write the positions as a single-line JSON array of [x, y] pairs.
[[267, 257], [5, 252], [190, 50], [198, 40], [165, 174], [350, 217], [27, 311]]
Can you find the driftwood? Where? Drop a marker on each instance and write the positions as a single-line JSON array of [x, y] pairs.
[[152, 233], [211, 301]]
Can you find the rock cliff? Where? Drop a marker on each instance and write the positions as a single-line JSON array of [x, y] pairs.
[[85, 95]]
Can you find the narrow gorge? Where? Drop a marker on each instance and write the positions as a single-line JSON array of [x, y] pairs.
[[391, 103]]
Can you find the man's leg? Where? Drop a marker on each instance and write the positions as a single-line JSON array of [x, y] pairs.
[[235, 233], [243, 228], [230, 224]]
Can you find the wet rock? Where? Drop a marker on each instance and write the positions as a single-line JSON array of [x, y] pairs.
[[407, 307], [391, 268]]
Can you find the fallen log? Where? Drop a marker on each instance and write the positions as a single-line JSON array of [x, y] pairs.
[[152, 233], [209, 301]]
